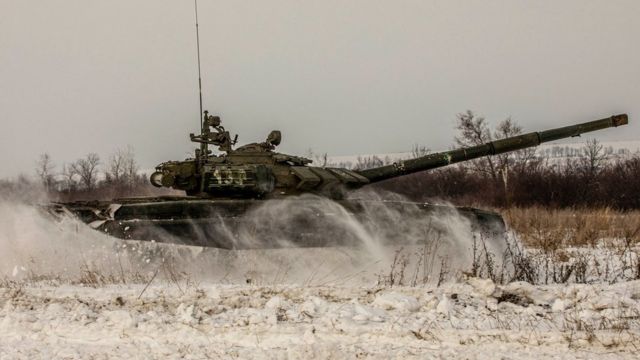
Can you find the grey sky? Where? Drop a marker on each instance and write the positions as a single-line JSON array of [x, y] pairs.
[[342, 77]]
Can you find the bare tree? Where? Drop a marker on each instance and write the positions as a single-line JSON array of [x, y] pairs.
[[131, 168], [368, 162], [506, 128], [122, 168], [87, 170], [321, 160], [44, 169], [122, 171], [69, 177], [518, 159], [115, 167], [473, 130], [593, 157], [419, 151]]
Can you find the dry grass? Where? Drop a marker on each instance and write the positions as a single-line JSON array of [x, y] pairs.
[[544, 246], [553, 229], [579, 245]]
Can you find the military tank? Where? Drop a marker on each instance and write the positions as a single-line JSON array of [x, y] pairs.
[[221, 189]]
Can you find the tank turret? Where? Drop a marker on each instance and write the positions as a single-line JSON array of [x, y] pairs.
[[257, 171]]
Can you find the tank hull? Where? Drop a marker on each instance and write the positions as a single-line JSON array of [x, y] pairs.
[[303, 222]]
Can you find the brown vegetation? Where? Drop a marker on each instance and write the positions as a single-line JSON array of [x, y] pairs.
[[521, 179], [558, 228], [575, 183]]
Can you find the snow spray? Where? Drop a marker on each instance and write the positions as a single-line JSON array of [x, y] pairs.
[[385, 245]]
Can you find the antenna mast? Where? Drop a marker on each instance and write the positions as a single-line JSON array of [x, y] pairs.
[[199, 76]]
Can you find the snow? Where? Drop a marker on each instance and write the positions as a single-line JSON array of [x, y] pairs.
[[290, 321], [110, 299], [394, 300]]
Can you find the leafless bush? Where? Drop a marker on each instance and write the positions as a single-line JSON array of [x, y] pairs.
[[418, 265], [397, 270]]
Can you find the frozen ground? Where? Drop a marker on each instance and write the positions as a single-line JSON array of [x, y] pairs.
[[68, 292], [472, 319]]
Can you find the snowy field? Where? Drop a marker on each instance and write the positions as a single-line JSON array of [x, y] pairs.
[[470, 319], [67, 292]]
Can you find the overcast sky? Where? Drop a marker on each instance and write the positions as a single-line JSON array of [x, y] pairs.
[[343, 77]]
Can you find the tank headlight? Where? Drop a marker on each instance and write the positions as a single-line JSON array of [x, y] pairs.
[[156, 179]]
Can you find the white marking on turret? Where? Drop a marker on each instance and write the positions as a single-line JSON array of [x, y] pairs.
[[217, 175], [447, 158]]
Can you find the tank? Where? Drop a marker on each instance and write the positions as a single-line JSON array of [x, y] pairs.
[[221, 189]]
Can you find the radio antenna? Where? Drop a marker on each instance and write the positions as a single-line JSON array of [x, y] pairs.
[[199, 76]]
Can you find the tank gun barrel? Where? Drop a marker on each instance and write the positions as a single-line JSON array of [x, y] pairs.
[[496, 147]]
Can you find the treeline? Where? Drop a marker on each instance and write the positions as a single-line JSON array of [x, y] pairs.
[[87, 178], [589, 179], [571, 184]]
